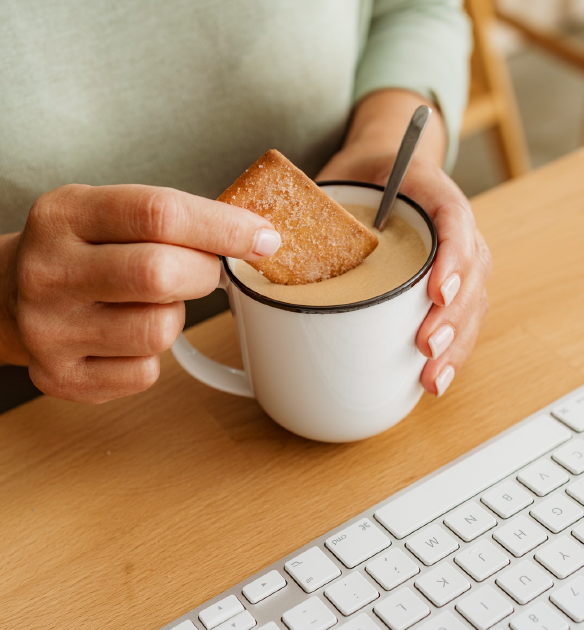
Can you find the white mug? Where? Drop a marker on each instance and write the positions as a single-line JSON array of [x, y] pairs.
[[328, 373]]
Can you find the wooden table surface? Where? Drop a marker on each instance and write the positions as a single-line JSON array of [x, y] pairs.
[[129, 514]]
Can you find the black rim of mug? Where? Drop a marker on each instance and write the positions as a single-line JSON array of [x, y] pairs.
[[353, 306]]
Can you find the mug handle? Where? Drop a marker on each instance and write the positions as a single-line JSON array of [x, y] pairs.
[[212, 373]]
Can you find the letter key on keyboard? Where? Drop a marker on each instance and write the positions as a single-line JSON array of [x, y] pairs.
[[351, 593], [263, 587], [484, 607], [482, 560], [401, 610], [392, 568], [524, 582], [507, 499], [432, 544], [520, 536], [360, 622], [311, 614], [358, 543], [570, 599], [436, 496], [312, 569], [220, 612], [543, 477], [539, 617], [576, 491], [571, 456], [442, 584], [572, 413], [562, 557], [470, 521], [557, 512]]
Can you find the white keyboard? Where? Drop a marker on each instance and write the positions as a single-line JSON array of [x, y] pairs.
[[493, 540]]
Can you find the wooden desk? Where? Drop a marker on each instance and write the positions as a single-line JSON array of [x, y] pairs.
[[127, 515]]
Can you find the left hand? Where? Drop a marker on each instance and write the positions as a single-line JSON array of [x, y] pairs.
[[463, 262]]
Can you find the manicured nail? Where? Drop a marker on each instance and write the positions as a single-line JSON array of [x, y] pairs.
[[440, 339], [266, 242], [444, 379], [449, 288]]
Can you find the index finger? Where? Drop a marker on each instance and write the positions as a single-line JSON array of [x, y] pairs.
[[455, 224], [135, 213]]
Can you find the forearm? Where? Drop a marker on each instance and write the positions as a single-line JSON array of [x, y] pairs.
[[380, 121], [11, 348]]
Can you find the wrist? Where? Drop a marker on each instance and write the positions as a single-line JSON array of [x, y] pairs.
[[12, 349], [381, 119]]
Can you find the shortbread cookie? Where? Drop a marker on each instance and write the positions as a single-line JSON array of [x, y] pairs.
[[320, 239]]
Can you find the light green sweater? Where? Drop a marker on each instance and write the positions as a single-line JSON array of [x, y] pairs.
[[188, 93]]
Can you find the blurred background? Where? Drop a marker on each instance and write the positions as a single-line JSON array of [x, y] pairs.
[[526, 108]]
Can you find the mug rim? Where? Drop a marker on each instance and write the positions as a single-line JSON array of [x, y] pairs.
[[352, 306]]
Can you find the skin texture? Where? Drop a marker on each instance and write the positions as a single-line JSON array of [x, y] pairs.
[[378, 125], [93, 289]]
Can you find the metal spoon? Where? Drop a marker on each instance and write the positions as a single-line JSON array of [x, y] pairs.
[[402, 161]]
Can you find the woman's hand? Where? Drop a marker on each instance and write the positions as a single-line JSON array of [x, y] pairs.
[[94, 287], [463, 261]]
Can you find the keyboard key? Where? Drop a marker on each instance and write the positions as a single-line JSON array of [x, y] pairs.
[[269, 626], [539, 617], [401, 610], [470, 521], [480, 561], [507, 499], [432, 545], [392, 568], [185, 625], [484, 607], [520, 536], [570, 599], [358, 543], [578, 532], [442, 584], [312, 569], [360, 622], [571, 456], [312, 614], [442, 621], [562, 557], [243, 621], [221, 611], [351, 593], [436, 496], [571, 412], [263, 587], [542, 477], [524, 582], [557, 512], [576, 491]]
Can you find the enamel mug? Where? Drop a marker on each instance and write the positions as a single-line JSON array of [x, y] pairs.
[[328, 373]]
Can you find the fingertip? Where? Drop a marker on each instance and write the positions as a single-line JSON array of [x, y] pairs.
[[266, 242], [443, 380]]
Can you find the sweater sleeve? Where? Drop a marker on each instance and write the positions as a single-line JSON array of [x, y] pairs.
[[422, 46]]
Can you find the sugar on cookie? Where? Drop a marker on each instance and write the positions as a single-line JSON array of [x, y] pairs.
[[320, 239]]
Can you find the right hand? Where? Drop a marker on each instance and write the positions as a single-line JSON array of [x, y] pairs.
[[101, 276]]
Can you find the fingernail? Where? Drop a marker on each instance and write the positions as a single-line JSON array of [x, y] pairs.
[[440, 339], [449, 288], [266, 242], [444, 379]]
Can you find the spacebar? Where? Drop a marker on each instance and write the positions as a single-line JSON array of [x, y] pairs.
[[441, 493]]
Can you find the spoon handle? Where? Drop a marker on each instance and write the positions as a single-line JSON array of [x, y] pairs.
[[402, 161]]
